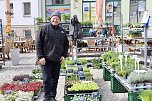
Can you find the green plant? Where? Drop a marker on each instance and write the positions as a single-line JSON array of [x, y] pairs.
[[85, 69], [121, 73], [90, 23], [39, 19], [48, 18], [82, 24], [138, 25], [107, 23], [84, 86], [65, 17], [82, 61], [128, 25], [63, 66], [37, 28], [71, 67], [85, 24], [134, 78], [76, 0], [96, 63], [146, 95], [69, 62], [148, 76]]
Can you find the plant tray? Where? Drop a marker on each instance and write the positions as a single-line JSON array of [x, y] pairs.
[[106, 74], [37, 94], [62, 72], [133, 96], [116, 86], [85, 91], [70, 97]]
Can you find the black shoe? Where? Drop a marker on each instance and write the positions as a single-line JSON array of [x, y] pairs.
[[53, 99]]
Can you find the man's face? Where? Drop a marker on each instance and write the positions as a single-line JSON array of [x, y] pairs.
[[55, 20]]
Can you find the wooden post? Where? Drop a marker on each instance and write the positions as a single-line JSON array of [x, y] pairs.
[[8, 17]]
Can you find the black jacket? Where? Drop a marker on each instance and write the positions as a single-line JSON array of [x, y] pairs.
[[77, 30], [52, 43]]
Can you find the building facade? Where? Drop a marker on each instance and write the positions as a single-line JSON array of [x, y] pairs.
[[115, 11], [23, 16]]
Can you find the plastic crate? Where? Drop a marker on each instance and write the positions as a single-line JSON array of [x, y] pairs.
[[106, 74], [133, 96], [70, 97], [116, 86]]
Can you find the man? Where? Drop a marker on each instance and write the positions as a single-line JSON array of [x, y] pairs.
[[52, 47]]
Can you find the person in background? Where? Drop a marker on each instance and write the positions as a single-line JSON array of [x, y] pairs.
[[98, 41], [102, 31], [52, 47], [76, 29], [92, 32]]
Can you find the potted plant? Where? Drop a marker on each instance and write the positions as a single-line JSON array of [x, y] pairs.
[[96, 63], [85, 24], [148, 81], [82, 24], [146, 95], [90, 24], [39, 20], [65, 17], [82, 61], [135, 78], [48, 19], [69, 62]]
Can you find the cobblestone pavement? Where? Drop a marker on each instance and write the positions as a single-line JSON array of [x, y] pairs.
[[27, 63]]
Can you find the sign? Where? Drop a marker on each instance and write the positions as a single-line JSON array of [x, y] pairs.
[[63, 9], [146, 18]]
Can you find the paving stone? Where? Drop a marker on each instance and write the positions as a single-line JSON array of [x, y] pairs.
[[27, 63]]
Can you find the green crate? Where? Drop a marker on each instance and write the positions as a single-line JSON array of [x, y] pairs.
[[116, 86], [133, 96], [106, 74], [70, 97]]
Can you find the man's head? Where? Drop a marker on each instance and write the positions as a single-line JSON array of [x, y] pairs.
[[55, 18]]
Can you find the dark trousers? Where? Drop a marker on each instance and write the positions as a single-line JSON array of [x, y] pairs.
[[51, 71]]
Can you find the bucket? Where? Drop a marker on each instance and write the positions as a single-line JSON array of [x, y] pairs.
[[15, 56]]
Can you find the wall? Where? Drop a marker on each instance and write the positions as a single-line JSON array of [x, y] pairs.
[[18, 21]]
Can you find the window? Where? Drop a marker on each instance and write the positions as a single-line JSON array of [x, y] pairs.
[[27, 33], [11, 7], [55, 2], [137, 8], [27, 8], [89, 11], [113, 11]]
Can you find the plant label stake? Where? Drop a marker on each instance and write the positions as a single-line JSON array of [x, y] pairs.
[[126, 55], [135, 57], [120, 57], [138, 60]]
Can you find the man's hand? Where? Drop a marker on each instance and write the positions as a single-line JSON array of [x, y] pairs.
[[62, 59], [41, 61]]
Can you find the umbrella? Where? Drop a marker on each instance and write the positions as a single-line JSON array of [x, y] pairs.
[[8, 17], [99, 4]]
